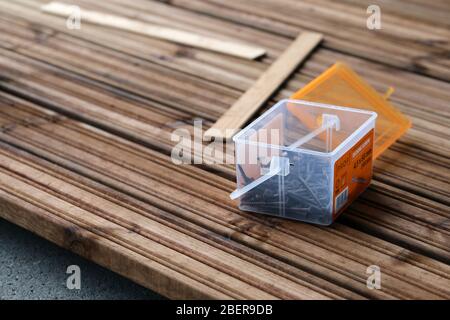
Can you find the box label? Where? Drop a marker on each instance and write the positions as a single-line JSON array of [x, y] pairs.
[[352, 173]]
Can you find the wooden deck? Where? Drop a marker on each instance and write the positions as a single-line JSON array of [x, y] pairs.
[[86, 117]]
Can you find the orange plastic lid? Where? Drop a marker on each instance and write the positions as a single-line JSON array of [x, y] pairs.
[[340, 86]]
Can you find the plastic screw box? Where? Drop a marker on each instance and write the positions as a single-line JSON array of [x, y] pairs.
[[309, 160], [304, 161]]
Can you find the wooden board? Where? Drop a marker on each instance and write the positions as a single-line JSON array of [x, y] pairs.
[[178, 36], [86, 118], [249, 103]]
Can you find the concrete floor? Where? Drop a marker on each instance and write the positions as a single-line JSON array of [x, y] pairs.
[[33, 268]]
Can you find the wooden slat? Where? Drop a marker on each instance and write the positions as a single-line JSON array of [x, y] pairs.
[[121, 86], [178, 36], [73, 141], [56, 80], [264, 87], [85, 89], [406, 43]]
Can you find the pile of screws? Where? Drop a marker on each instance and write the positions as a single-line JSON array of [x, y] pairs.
[[304, 194]]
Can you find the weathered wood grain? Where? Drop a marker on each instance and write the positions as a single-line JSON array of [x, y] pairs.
[[241, 111], [86, 119], [93, 154], [179, 36], [405, 43]]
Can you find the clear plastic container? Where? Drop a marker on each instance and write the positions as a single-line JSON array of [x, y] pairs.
[[304, 161]]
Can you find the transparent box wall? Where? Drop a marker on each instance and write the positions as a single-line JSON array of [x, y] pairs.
[[285, 158]]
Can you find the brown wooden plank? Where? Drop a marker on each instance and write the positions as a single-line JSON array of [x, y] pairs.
[[247, 104], [137, 180], [179, 36], [140, 89], [351, 37]]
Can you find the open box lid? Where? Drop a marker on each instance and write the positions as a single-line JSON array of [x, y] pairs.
[[340, 86]]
